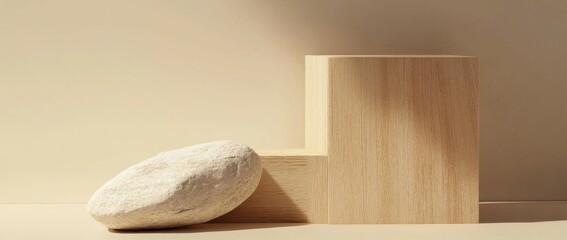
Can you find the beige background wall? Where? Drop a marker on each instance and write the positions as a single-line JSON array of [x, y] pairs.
[[88, 88]]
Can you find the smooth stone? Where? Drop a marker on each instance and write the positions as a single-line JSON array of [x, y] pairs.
[[181, 187]]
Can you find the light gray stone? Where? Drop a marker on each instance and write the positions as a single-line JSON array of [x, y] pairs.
[[181, 187]]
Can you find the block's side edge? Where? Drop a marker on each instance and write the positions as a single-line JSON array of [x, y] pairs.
[[316, 104], [476, 70], [473, 63]]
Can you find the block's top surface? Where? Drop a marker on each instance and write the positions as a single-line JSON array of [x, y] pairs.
[[391, 56]]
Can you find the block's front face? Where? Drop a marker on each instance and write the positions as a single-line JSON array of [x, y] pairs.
[[403, 139]]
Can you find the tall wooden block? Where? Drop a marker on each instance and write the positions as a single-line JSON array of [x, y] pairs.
[[401, 135]]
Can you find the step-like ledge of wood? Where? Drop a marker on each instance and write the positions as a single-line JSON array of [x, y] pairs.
[[293, 188]]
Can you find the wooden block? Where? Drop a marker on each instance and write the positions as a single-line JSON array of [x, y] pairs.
[[402, 137], [292, 189]]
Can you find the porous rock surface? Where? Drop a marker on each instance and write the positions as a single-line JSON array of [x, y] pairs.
[[181, 187]]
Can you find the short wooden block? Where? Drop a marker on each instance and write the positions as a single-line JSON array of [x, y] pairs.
[[293, 188], [401, 133]]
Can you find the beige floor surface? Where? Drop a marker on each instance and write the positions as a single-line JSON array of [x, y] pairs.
[[71, 221]]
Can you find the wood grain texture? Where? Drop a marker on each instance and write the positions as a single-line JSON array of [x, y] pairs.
[[403, 139], [318, 208], [292, 189]]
